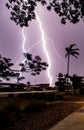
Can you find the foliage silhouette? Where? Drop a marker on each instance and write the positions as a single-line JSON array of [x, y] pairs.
[[28, 83], [31, 65], [5, 68], [77, 82], [70, 51], [22, 12], [19, 77], [61, 83]]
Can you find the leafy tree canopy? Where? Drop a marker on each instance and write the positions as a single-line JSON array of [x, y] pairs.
[[23, 11], [5, 68], [31, 65]]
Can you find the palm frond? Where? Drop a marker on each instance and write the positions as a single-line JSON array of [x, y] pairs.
[[74, 52], [66, 55], [71, 46], [67, 49], [75, 49], [75, 56]]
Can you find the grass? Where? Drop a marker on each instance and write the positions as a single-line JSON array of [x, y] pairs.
[[23, 113]]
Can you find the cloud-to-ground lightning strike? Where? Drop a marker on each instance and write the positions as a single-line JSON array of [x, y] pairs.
[[23, 44], [24, 40], [35, 44], [60, 57], [44, 47]]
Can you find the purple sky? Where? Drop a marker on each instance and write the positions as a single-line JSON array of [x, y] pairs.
[[61, 36]]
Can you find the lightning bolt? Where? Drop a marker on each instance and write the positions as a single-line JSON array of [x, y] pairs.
[[34, 45], [24, 40], [45, 49], [23, 44], [44, 46], [56, 52]]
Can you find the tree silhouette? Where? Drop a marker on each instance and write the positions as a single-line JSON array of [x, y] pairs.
[[22, 12], [5, 68], [61, 82], [33, 65], [70, 51], [71, 10], [19, 77], [28, 83], [77, 82]]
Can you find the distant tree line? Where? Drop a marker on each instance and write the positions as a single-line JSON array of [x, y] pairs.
[[75, 83]]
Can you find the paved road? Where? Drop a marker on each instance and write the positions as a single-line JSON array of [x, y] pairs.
[[75, 121]]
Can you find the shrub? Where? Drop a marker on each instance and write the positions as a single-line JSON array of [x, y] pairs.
[[81, 91], [25, 95], [59, 97], [11, 96], [40, 96], [51, 97], [35, 106], [8, 115], [54, 97]]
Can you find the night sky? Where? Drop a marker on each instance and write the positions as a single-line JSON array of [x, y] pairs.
[[57, 37]]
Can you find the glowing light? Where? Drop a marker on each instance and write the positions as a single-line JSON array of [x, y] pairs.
[[44, 47], [56, 52], [24, 40], [35, 44], [23, 45]]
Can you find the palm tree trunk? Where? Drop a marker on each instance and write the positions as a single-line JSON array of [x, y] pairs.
[[68, 72], [68, 65]]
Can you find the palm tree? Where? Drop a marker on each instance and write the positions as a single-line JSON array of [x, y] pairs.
[[70, 51]]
